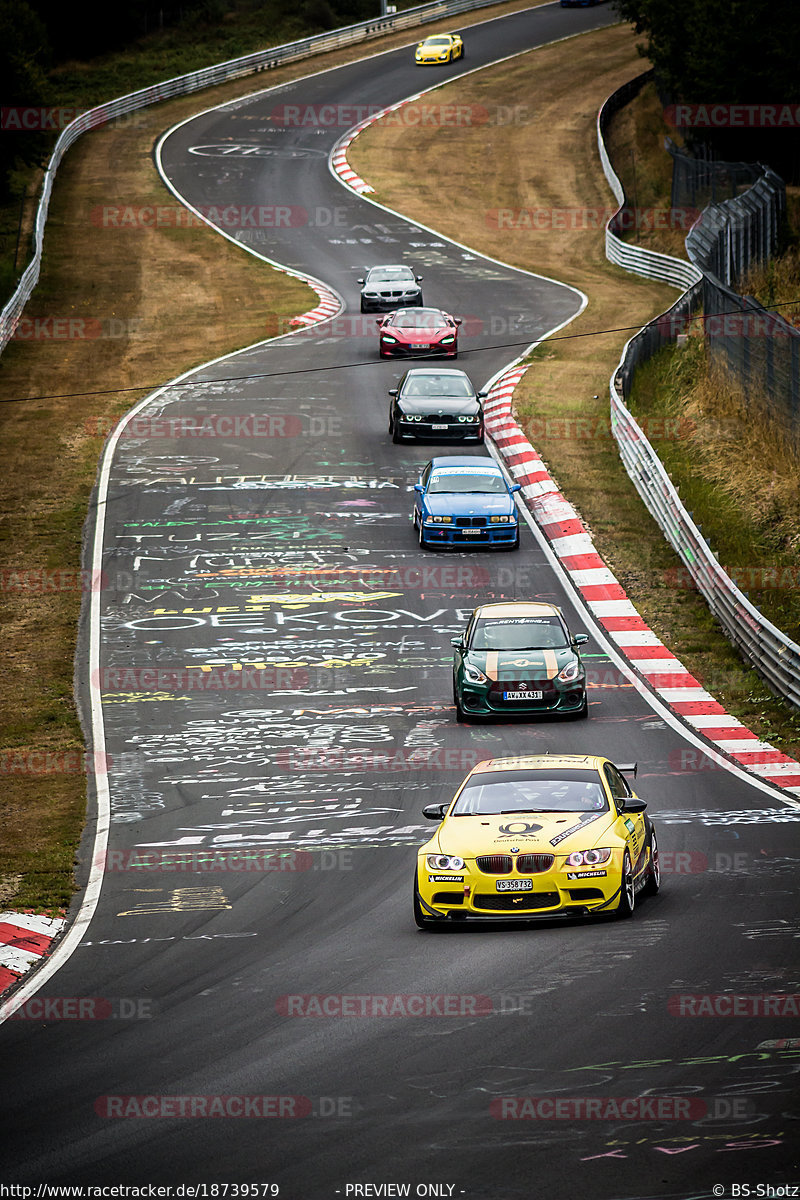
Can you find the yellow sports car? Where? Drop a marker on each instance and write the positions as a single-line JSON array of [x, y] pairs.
[[439, 48], [540, 836]]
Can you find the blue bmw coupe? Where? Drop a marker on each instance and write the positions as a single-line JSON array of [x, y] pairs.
[[465, 502]]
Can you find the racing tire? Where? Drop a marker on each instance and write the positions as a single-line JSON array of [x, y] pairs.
[[395, 432], [583, 711], [461, 716], [653, 885], [423, 545], [420, 920], [627, 895], [479, 441]]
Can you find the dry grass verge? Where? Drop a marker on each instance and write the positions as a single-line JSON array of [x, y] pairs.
[[550, 162]]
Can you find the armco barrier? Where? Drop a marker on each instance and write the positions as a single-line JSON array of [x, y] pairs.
[[771, 652], [183, 85]]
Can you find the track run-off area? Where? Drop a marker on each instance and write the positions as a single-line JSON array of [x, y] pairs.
[[244, 997]]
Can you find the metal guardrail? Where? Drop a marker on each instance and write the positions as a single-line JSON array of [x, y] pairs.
[[183, 85], [775, 656]]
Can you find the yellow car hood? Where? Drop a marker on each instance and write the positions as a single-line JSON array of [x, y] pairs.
[[545, 833]]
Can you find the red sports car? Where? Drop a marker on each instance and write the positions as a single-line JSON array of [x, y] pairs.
[[418, 333]]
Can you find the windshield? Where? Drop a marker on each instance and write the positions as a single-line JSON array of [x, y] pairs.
[[519, 633], [419, 318], [465, 479], [388, 274], [430, 384], [532, 791], [437, 41]]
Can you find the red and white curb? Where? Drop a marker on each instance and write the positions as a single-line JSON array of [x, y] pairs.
[[328, 306], [341, 166], [25, 940], [607, 601]]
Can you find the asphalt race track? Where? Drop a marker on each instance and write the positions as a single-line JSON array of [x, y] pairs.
[[280, 553]]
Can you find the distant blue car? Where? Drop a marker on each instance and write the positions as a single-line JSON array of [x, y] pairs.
[[465, 502]]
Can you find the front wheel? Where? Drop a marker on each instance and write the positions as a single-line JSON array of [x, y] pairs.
[[421, 535], [394, 431], [627, 895]]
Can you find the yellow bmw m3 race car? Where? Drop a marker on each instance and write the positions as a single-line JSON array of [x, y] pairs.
[[439, 48], [541, 836]]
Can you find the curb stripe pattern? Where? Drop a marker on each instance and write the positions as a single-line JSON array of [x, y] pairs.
[[25, 939], [328, 306], [609, 604]]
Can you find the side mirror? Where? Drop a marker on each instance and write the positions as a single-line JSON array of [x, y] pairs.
[[483, 393], [515, 487], [632, 804], [457, 642], [362, 281], [418, 488], [459, 320], [392, 391], [580, 639], [418, 278], [434, 812]]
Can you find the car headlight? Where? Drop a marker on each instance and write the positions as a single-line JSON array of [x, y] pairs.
[[568, 673], [589, 858], [500, 520], [444, 862], [448, 341], [387, 337], [468, 420], [474, 675], [440, 520]]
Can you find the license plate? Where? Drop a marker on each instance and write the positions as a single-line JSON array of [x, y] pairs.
[[439, 426], [472, 532], [514, 885], [422, 346], [523, 695]]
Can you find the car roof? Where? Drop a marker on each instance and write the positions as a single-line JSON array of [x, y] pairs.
[[438, 371], [517, 608], [418, 312], [390, 267], [541, 762], [480, 462]]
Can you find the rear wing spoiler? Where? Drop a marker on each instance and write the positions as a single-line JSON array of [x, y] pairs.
[[628, 768]]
